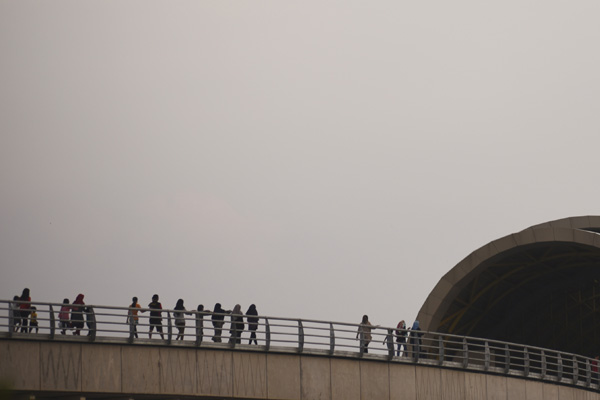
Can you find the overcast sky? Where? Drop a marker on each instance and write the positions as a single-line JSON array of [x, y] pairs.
[[320, 159]]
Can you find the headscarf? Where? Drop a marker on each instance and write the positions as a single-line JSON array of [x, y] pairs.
[[416, 326]]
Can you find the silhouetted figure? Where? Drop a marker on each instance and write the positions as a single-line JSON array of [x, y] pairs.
[[364, 333], [401, 337], [155, 317], [132, 316], [200, 322], [252, 323], [77, 310], [24, 309], [179, 315], [415, 340], [63, 317], [237, 325], [218, 317], [33, 322]]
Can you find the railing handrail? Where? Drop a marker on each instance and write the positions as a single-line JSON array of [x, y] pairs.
[[311, 334]]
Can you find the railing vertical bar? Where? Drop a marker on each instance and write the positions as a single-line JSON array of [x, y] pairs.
[[52, 322], [465, 360], [390, 343], [91, 322], [544, 366], [300, 336], [441, 350], [588, 373], [506, 359], [487, 356], [267, 335], [526, 357], [560, 367], [169, 328], [331, 339]]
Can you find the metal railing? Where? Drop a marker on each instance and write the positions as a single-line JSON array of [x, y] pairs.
[[196, 328]]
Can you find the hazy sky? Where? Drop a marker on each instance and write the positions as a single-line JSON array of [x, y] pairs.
[[320, 159]]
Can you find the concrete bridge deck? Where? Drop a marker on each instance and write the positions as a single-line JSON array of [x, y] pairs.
[[111, 368]]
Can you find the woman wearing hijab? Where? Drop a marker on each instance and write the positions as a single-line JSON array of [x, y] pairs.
[[364, 333], [401, 337], [252, 323], [218, 318], [415, 340], [24, 309], [77, 309], [180, 318], [237, 325]]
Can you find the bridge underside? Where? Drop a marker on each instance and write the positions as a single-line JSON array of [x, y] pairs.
[[538, 287]]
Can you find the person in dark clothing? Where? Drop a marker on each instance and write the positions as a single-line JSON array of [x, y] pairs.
[[77, 309], [401, 337], [155, 317], [218, 317], [237, 325], [252, 323], [415, 340], [200, 321], [24, 310]]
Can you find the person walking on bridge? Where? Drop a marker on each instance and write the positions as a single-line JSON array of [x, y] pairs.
[[364, 333], [237, 324], [132, 316], [155, 317], [77, 310], [218, 317], [252, 319], [179, 315]]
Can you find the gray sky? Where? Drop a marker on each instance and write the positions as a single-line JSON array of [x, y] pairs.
[[319, 159]]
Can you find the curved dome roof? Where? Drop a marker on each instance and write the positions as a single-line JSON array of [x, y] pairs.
[[539, 287]]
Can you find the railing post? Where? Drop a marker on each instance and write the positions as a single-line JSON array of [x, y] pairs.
[[390, 343], [526, 357], [487, 356], [441, 350], [91, 323], [52, 322], [559, 367], [131, 326], [300, 336], [331, 339], [267, 335], [465, 353], [588, 373], [544, 366], [361, 337], [506, 359], [169, 328], [199, 328], [575, 370]]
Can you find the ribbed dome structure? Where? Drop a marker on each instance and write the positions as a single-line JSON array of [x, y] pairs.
[[539, 287]]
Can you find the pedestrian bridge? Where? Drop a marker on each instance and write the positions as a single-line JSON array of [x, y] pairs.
[[294, 359]]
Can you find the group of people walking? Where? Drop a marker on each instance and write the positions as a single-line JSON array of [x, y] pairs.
[[402, 335], [218, 314], [22, 314], [74, 316]]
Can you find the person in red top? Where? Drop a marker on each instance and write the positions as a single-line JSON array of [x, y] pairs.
[[63, 317], [25, 309], [595, 368], [77, 310]]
